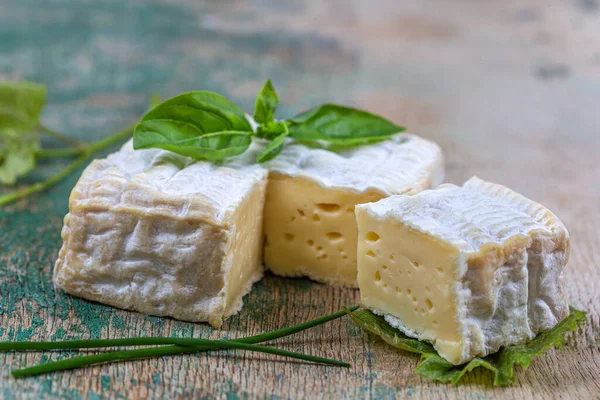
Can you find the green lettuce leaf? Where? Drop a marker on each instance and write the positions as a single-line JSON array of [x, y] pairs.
[[501, 363]]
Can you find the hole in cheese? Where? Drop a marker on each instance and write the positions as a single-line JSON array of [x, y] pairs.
[[289, 237], [408, 291], [350, 209], [384, 285], [372, 236], [301, 212], [370, 253], [310, 242], [440, 270], [334, 235], [398, 289], [329, 207], [377, 276], [429, 304], [384, 267], [415, 264], [319, 248], [316, 217], [391, 257]]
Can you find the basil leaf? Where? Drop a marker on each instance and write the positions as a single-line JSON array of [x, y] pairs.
[[17, 154], [272, 149], [343, 126], [201, 125], [187, 140], [501, 363], [206, 111], [21, 104], [266, 104], [271, 130]]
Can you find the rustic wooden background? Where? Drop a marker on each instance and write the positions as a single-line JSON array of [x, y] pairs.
[[510, 90]]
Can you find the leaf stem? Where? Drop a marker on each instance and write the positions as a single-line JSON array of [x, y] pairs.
[[40, 186], [57, 153], [116, 137], [84, 152], [62, 137]]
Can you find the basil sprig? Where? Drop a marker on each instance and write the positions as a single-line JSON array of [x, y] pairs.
[[207, 126]]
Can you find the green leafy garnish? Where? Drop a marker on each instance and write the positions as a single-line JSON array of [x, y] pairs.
[[200, 125], [501, 363], [21, 104], [17, 154], [180, 124], [266, 104], [341, 125]]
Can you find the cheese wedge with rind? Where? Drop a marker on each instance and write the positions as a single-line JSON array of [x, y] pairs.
[[155, 232], [310, 228], [469, 268]]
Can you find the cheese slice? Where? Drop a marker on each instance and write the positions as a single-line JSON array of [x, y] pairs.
[[310, 227], [158, 233], [469, 268]]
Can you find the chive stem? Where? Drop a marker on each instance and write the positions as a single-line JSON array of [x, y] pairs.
[[149, 341], [79, 362], [181, 345]]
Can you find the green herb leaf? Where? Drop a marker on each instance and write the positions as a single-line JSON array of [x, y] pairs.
[[343, 126], [21, 104], [266, 104], [185, 139], [202, 125], [17, 154], [272, 149], [271, 130], [502, 363]]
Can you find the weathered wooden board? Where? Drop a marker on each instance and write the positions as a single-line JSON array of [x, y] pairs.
[[511, 91]]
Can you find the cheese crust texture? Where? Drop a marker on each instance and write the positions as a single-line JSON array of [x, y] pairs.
[[155, 232], [469, 268], [310, 226]]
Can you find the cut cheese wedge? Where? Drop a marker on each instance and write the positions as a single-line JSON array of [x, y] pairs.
[[469, 268], [310, 227], [159, 233], [155, 232]]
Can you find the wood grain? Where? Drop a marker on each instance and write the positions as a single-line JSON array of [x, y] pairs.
[[510, 90]]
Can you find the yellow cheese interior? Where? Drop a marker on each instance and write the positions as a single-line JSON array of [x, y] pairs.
[[410, 276], [311, 231], [245, 251]]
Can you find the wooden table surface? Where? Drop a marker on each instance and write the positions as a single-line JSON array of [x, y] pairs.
[[510, 90]]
